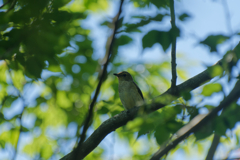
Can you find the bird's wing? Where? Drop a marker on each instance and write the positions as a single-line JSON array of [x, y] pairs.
[[139, 91]]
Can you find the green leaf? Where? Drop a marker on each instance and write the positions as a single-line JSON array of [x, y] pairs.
[[133, 27], [2, 119], [205, 131], [105, 23], [161, 37], [135, 124], [186, 95], [160, 3], [184, 17], [162, 134], [24, 129], [215, 71], [219, 127], [120, 22], [9, 100], [60, 3], [209, 89], [2, 143], [123, 40], [103, 110], [173, 126], [38, 122], [34, 67], [213, 40], [193, 111]]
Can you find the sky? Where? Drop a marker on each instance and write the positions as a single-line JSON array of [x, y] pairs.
[[207, 17]]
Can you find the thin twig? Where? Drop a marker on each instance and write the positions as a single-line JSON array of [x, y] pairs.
[[228, 20], [173, 53], [5, 4], [213, 147], [228, 17], [103, 75], [231, 98], [215, 142], [12, 5]]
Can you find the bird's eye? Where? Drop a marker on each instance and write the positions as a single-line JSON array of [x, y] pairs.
[[124, 75]]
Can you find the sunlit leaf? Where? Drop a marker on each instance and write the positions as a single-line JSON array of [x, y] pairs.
[[209, 89]]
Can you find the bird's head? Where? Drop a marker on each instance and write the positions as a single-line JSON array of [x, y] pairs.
[[124, 76]]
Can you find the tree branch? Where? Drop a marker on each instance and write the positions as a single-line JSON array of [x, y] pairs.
[[212, 149], [173, 53], [12, 5], [102, 77], [215, 142], [5, 4], [232, 97]]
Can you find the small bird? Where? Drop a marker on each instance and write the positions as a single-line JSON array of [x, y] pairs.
[[129, 93]]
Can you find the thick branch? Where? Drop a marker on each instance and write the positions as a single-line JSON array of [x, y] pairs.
[[231, 98], [103, 76], [173, 53]]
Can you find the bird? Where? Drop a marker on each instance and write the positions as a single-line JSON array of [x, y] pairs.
[[129, 93]]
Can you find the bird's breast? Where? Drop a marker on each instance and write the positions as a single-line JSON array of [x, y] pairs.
[[129, 95]]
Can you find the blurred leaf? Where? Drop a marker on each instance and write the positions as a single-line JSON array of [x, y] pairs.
[[209, 107], [209, 89], [34, 67], [2, 144], [103, 110], [204, 132], [9, 100], [123, 40], [120, 22], [60, 3], [220, 127], [193, 111], [162, 134], [133, 27], [24, 129], [161, 37], [135, 124], [106, 23], [216, 71], [2, 119], [186, 95], [228, 119], [161, 3], [184, 17], [213, 40], [38, 122]]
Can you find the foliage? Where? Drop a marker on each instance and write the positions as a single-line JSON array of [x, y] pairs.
[[50, 67]]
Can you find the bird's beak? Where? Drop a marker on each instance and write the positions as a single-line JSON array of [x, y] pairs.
[[115, 74]]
